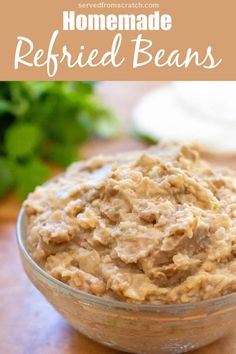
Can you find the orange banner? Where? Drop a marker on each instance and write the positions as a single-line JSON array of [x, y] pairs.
[[117, 40]]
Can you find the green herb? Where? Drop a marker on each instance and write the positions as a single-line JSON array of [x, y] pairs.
[[29, 175], [43, 122], [6, 177], [150, 140], [22, 140]]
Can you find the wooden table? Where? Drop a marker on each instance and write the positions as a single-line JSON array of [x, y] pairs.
[[28, 324]]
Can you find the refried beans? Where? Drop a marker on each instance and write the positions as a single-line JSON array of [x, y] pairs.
[[154, 227]]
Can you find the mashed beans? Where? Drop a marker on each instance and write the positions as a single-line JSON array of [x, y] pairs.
[[157, 226]]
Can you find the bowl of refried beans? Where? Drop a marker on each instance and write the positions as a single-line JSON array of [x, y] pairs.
[[137, 251]]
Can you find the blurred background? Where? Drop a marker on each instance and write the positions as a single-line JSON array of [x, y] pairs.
[[45, 126]]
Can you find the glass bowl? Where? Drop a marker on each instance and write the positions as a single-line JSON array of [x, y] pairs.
[[128, 327]]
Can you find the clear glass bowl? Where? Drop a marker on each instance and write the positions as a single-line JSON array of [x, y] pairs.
[[128, 327]]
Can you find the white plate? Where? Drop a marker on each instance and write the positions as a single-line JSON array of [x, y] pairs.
[[199, 112]]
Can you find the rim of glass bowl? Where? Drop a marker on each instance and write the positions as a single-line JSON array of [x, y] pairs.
[[216, 302]]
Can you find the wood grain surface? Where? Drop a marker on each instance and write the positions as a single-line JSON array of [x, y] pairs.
[[28, 324]]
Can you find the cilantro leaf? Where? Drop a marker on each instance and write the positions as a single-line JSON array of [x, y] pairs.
[[150, 140], [21, 140], [46, 120], [29, 175], [60, 154], [6, 177]]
